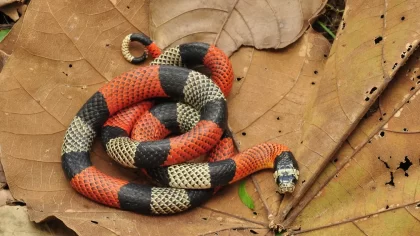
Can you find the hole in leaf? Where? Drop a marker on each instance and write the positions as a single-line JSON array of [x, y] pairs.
[[313, 83], [93, 221], [378, 39], [367, 99], [243, 133], [405, 129], [19, 203], [387, 207], [279, 131], [385, 163], [380, 119], [395, 65], [384, 114], [107, 45], [336, 159], [373, 90], [303, 181], [382, 133], [315, 72], [253, 231], [238, 79], [278, 118], [382, 16], [204, 218], [128, 7], [403, 18], [255, 213], [325, 55], [405, 165], [391, 182], [70, 65], [409, 48]]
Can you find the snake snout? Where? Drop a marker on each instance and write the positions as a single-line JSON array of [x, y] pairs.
[[286, 172], [286, 180]]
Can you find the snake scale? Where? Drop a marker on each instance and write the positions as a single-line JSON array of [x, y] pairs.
[[203, 123]]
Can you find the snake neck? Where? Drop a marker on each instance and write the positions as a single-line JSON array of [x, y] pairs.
[[260, 157]]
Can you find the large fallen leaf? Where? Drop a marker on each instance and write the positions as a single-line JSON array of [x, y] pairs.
[[377, 170], [54, 70], [231, 24], [375, 39]]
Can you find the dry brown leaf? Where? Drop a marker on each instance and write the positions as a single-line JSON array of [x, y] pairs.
[[3, 59], [399, 92], [61, 65], [2, 177], [375, 39], [5, 197], [12, 10], [231, 24], [14, 221], [403, 221], [7, 2], [378, 169]]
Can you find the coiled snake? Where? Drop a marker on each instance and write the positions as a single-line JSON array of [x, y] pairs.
[[203, 125]]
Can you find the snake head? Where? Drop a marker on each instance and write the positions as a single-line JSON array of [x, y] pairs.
[[286, 172]]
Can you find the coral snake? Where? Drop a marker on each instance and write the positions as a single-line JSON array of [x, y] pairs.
[[125, 100]]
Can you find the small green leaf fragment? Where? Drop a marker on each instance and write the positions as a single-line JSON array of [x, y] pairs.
[[326, 29], [280, 233], [3, 33], [244, 196]]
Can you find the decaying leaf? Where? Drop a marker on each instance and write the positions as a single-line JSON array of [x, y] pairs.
[[14, 221], [7, 2], [231, 24], [2, 177], [13, 9], [401, 221], [377, 172], [375, 39], [5, 197], [62, 65]]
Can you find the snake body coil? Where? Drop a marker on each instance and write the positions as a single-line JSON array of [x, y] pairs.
[[184, 85]]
